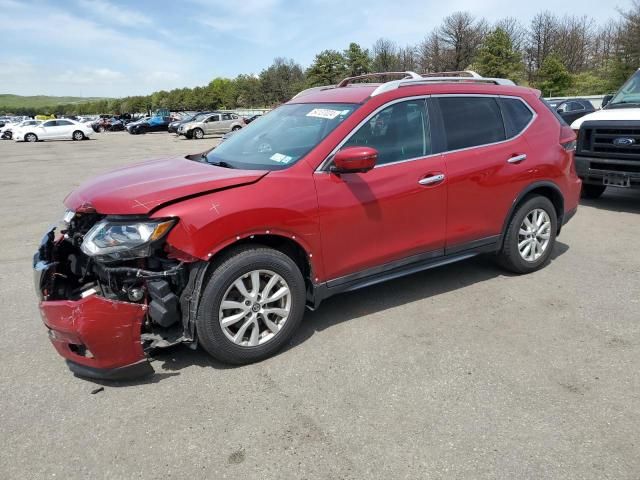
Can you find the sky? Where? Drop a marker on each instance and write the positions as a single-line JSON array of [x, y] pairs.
[[114, 48]]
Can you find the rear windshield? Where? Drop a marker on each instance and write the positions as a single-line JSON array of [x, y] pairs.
[[281, 137]]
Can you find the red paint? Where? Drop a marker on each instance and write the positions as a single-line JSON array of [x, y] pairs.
[[109, 329], [355, 159], [137, 189]]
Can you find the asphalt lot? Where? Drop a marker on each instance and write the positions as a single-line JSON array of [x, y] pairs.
[[458, 372]]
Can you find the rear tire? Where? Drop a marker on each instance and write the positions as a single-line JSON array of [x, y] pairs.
[[528, 243], [256, 267], [198, 134], [78, 135], [30, 137], [592, 191]]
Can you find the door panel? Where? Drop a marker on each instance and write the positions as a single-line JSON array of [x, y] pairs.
[[368, 219], [386, 214], [482, 186]]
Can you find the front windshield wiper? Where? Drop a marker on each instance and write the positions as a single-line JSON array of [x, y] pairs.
[[221, 163]]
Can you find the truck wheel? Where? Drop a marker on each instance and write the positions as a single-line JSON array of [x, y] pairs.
[[592, 191], [251, 306], [530, 236]]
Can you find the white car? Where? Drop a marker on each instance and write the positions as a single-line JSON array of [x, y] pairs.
[[60, 129], [6, 132]]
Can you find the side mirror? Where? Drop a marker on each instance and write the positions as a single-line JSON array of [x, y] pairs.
[[354, 160], [606, 100]]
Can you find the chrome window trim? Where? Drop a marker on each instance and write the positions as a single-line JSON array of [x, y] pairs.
[[323, 167]]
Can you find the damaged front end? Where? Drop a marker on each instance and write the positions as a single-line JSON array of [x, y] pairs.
[[112, 290]]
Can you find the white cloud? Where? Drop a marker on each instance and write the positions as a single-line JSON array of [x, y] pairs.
[[114, 14]]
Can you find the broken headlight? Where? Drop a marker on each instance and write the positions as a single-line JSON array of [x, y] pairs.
[[123, 240]]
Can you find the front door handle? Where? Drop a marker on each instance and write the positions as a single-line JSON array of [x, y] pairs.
[[432, 179], [517, 158]]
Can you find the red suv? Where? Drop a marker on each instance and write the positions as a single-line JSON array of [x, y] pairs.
[[338, 189]]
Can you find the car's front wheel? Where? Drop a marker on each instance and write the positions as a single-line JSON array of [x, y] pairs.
[[30, 137], [592, 191], [198, 133], [530, 236], [251, 305]]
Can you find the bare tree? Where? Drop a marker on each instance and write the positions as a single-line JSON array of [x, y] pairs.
[[407, 58], [573, 42], [462, 34], [385, 56], [515, 30], [431, 55], [543, 33]]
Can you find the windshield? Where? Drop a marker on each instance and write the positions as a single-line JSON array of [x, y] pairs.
[[282, 137], [629, 94]]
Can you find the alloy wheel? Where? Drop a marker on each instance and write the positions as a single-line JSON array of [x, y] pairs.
[[534, 235], [255, 308]]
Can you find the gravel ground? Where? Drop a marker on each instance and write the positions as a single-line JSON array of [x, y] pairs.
[[458, 372]]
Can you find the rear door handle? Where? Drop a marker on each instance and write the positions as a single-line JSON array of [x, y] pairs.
[[517, 158], [432, 179]]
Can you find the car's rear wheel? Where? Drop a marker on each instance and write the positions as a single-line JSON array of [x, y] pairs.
[[592, 191], [251, 306], [30, 137], [530, 236], [78, 135], [198, 133]]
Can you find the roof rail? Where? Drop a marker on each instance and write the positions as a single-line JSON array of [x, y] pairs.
[[394, 84], [311, 90], [349, 80], [458, 73]]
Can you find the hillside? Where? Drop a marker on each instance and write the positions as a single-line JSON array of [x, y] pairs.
[[40, 101]]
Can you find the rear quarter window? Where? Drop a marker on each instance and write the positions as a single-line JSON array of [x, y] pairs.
[[516, 116]]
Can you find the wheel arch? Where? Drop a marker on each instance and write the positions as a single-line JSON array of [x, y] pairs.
[[284, 244], [546, 189]]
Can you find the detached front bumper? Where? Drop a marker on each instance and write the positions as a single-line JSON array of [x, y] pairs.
[[100, 338]]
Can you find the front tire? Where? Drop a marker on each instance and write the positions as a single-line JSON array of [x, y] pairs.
[[198, 134], [530, 236], [236, 128], [251, 306], [592, 191], [30, 137]]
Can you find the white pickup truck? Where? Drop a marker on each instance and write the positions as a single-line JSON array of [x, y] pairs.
[[608, 150]]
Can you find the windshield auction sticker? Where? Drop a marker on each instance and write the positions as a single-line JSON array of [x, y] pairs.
[[324, 113], [280, 158]]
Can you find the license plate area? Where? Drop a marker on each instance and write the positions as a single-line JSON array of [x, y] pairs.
[[617, 180]]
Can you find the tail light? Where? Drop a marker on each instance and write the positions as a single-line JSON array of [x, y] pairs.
[[568, 139]]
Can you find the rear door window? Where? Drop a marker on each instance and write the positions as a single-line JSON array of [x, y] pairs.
[[471, 121], [516, 116]]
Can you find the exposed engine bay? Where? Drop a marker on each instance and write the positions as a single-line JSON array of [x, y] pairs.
[[167, 285]]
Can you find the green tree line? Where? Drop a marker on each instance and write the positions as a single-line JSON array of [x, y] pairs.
[[570, 55]]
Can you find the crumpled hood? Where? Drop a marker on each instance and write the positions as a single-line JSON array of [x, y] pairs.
[[608, 114], [141, 188]]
